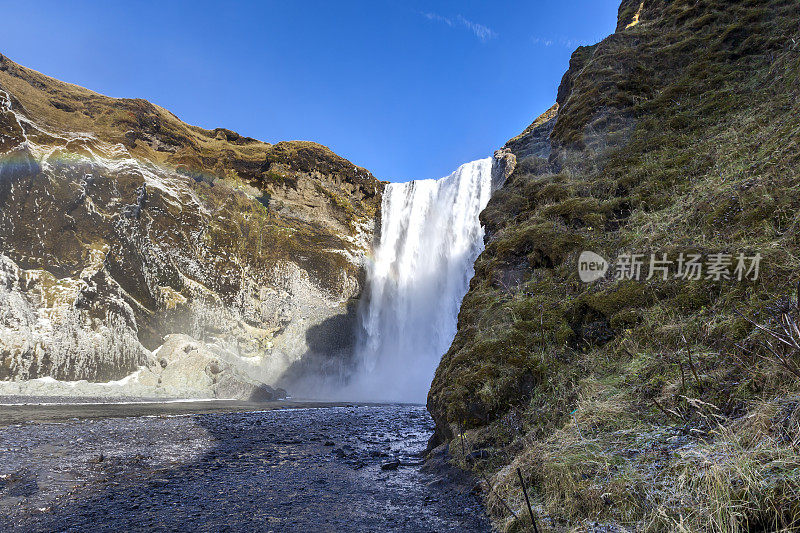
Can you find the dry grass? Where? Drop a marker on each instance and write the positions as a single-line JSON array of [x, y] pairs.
[[152, 133], [678, 134]]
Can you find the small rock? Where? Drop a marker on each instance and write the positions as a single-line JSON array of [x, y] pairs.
[[263, 393], [479, 455], [391, 465], [378, 453]]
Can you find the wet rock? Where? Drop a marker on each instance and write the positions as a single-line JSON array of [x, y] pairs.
[[185, 367], [378, 453], [479, 455], [21, 484], [390, 465], [357, 464], [263, 393]]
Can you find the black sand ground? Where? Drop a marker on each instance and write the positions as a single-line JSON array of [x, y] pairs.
[[229, 469]]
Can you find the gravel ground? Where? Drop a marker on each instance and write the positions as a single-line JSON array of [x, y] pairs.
[[332, 469]]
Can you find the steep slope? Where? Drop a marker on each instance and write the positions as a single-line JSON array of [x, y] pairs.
[[655, 404], [120, 224]]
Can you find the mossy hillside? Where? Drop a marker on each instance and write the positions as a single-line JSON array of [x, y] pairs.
[[677, 134], [154, 134]]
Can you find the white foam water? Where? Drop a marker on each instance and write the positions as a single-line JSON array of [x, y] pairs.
[[430, 237]]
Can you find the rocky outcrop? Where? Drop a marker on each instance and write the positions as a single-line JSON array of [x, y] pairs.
[[503, 164], [120, 224], [621, 401], [184, 368], [534, 142]]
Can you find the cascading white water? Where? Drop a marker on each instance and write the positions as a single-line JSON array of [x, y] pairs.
[[430, 238]]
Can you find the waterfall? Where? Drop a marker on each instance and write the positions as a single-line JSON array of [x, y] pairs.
[[430, 237]]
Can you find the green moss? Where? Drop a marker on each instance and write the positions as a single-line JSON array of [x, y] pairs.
[[625, 318], [625, 295], [541, 244], [280, 180], [337, 200], [552, 192], [259, 238], [578, 211], [676, 135]]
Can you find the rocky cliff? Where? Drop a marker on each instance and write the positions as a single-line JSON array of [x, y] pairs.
[[646, 400], [120, 224]]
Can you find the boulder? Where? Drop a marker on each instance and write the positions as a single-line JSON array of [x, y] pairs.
[[183, 366]]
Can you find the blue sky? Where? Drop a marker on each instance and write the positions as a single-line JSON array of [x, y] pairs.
[[406, 89]]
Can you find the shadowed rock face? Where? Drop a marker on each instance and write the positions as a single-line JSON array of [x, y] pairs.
[[120, 224]]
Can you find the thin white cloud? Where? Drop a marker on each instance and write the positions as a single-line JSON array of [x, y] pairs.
[[438, 18], [561, 41], [484, 33]]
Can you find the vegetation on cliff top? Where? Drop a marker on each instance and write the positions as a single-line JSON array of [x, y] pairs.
[[310, 193], [654, 405]]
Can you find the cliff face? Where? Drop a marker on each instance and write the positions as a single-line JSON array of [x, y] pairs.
[[120, 224], [656, 403]]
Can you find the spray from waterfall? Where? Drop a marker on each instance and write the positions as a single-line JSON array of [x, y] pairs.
[[430, 237]]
